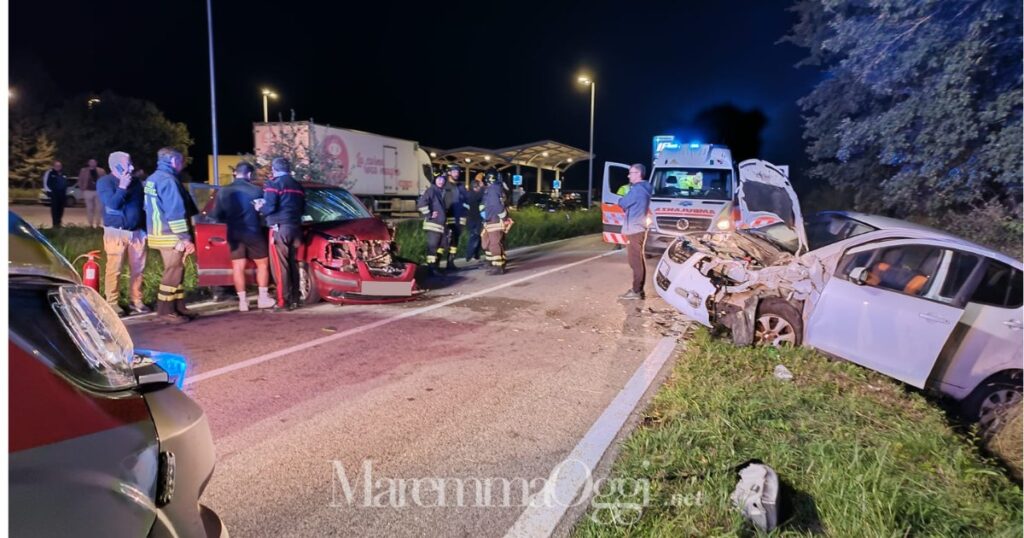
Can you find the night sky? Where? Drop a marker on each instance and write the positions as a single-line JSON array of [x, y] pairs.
[[446, 76]]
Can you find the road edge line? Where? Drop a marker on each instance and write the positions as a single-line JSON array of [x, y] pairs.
[[548, 507], [192, 380]]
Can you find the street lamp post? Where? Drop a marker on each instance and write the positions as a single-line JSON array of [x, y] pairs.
[[590, 173], [267, 94]]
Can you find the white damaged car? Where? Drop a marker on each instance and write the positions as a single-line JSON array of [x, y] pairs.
[[924, 307]]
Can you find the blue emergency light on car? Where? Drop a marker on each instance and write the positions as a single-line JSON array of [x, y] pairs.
[[694, 145]]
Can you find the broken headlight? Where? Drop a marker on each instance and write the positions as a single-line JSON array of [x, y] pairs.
[[98, 333], [680, 251]]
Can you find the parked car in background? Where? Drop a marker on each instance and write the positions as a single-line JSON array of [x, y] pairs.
[[102, 441], [348, 255], [545, 201], [919, 305], [73, 195]]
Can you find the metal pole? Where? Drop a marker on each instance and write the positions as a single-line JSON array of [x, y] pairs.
[[590, 173], [213, 93], [264, 108]]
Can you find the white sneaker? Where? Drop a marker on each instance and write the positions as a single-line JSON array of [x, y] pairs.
[[266, 302], [243, 305]]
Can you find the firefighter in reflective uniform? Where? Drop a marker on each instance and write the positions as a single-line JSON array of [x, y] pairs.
[[456, 209], [496, 224], [431, 206]]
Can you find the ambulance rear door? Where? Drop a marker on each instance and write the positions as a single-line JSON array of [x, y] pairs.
[[612, 216]]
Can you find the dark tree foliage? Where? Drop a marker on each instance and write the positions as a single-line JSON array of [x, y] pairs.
[[919, 112], [116, 123]]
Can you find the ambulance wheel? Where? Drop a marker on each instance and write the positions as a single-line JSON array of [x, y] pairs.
[[308, 292]]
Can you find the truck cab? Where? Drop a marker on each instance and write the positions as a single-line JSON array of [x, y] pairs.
[[692, 183]]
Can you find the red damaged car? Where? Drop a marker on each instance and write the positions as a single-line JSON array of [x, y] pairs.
[[348, 255]]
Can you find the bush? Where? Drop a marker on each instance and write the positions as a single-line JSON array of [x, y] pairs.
[[532, 226]]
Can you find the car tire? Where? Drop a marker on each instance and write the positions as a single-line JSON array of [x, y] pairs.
[[989, 401], [308, 292], [778, 323]]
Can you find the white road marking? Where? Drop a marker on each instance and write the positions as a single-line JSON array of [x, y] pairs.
[[547, 507], [370, 326]]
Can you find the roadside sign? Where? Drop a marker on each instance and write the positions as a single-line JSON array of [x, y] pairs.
[[517, 180], [557, 184]]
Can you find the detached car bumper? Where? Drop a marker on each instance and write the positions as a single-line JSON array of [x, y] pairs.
[[362, 285], [685, 288]]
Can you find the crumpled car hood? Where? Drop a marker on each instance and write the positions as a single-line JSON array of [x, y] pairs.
[[368, 229]]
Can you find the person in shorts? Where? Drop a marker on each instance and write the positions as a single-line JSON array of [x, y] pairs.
[[247, 237]]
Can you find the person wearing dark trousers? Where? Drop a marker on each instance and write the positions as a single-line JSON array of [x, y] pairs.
[[456, 209], [284, 202], [474, 222], [431, 206], [169, 230], [497, 225], [87, 178], [636, 204], [56, 183], [124, 231]]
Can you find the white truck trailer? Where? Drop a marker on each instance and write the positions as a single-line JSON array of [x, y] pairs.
[[387, 173]]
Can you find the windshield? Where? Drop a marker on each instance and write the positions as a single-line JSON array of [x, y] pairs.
[[778, 234], [332, 205], [693, 183], [826, 229]]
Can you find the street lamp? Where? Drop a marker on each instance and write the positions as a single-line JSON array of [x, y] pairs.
[[267, 94], [586, 81]]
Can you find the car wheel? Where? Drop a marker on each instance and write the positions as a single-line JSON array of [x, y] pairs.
[[308, 292], [989, 402], [778, 324], [70, 202]]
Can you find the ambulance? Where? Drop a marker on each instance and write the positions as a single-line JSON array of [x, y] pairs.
[[693, 185]]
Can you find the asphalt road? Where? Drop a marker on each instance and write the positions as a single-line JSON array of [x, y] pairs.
[[484, 378], [39, 215]]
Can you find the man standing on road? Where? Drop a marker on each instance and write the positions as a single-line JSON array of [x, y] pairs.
[[168, 223], [246, 237], [431, 206], [56, 184], [123, 230], [497, 224], [636, 204], [474, 222], [87, 178], [456, 209], [284, 202]]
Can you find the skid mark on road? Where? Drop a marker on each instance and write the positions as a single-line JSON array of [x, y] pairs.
[[370, 326]]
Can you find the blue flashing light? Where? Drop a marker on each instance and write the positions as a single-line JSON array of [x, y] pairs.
[[694, 145], [175, 365]]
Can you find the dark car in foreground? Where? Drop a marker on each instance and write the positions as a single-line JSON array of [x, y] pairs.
[[102, 441]]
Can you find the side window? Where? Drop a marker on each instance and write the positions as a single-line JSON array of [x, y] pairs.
[[1001, 286], [618, 178], [908, 269], [956, 272]]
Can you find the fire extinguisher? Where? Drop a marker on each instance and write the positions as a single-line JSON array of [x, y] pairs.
[[91, 270]]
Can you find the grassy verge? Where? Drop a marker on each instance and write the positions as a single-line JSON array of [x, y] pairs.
[[19, 194], [858, 454], [532, 227], [73, 241]]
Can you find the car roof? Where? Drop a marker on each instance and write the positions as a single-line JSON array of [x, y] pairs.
[[889, 223]]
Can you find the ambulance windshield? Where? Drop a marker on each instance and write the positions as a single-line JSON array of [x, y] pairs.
[[692, 183]]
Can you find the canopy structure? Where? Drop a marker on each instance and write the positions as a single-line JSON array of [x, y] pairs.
[[542, 155]]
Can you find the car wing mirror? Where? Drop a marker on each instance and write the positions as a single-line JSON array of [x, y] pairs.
[[859, 275]]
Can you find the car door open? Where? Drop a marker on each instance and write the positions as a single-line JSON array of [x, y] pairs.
[[612, 216], [874, 312]]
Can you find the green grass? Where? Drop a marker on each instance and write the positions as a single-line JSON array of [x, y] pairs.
[[19, 194], [532, 226], [73, 241], [858, 454]]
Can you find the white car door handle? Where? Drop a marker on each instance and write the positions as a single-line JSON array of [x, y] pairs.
[[934, 318], [1014, 324]]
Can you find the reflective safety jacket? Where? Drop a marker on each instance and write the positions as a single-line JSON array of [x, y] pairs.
[[430, 201], [168, 212], [494, 203], [456, 203]]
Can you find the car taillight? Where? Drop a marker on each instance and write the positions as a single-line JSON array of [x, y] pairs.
[[99, 334]]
